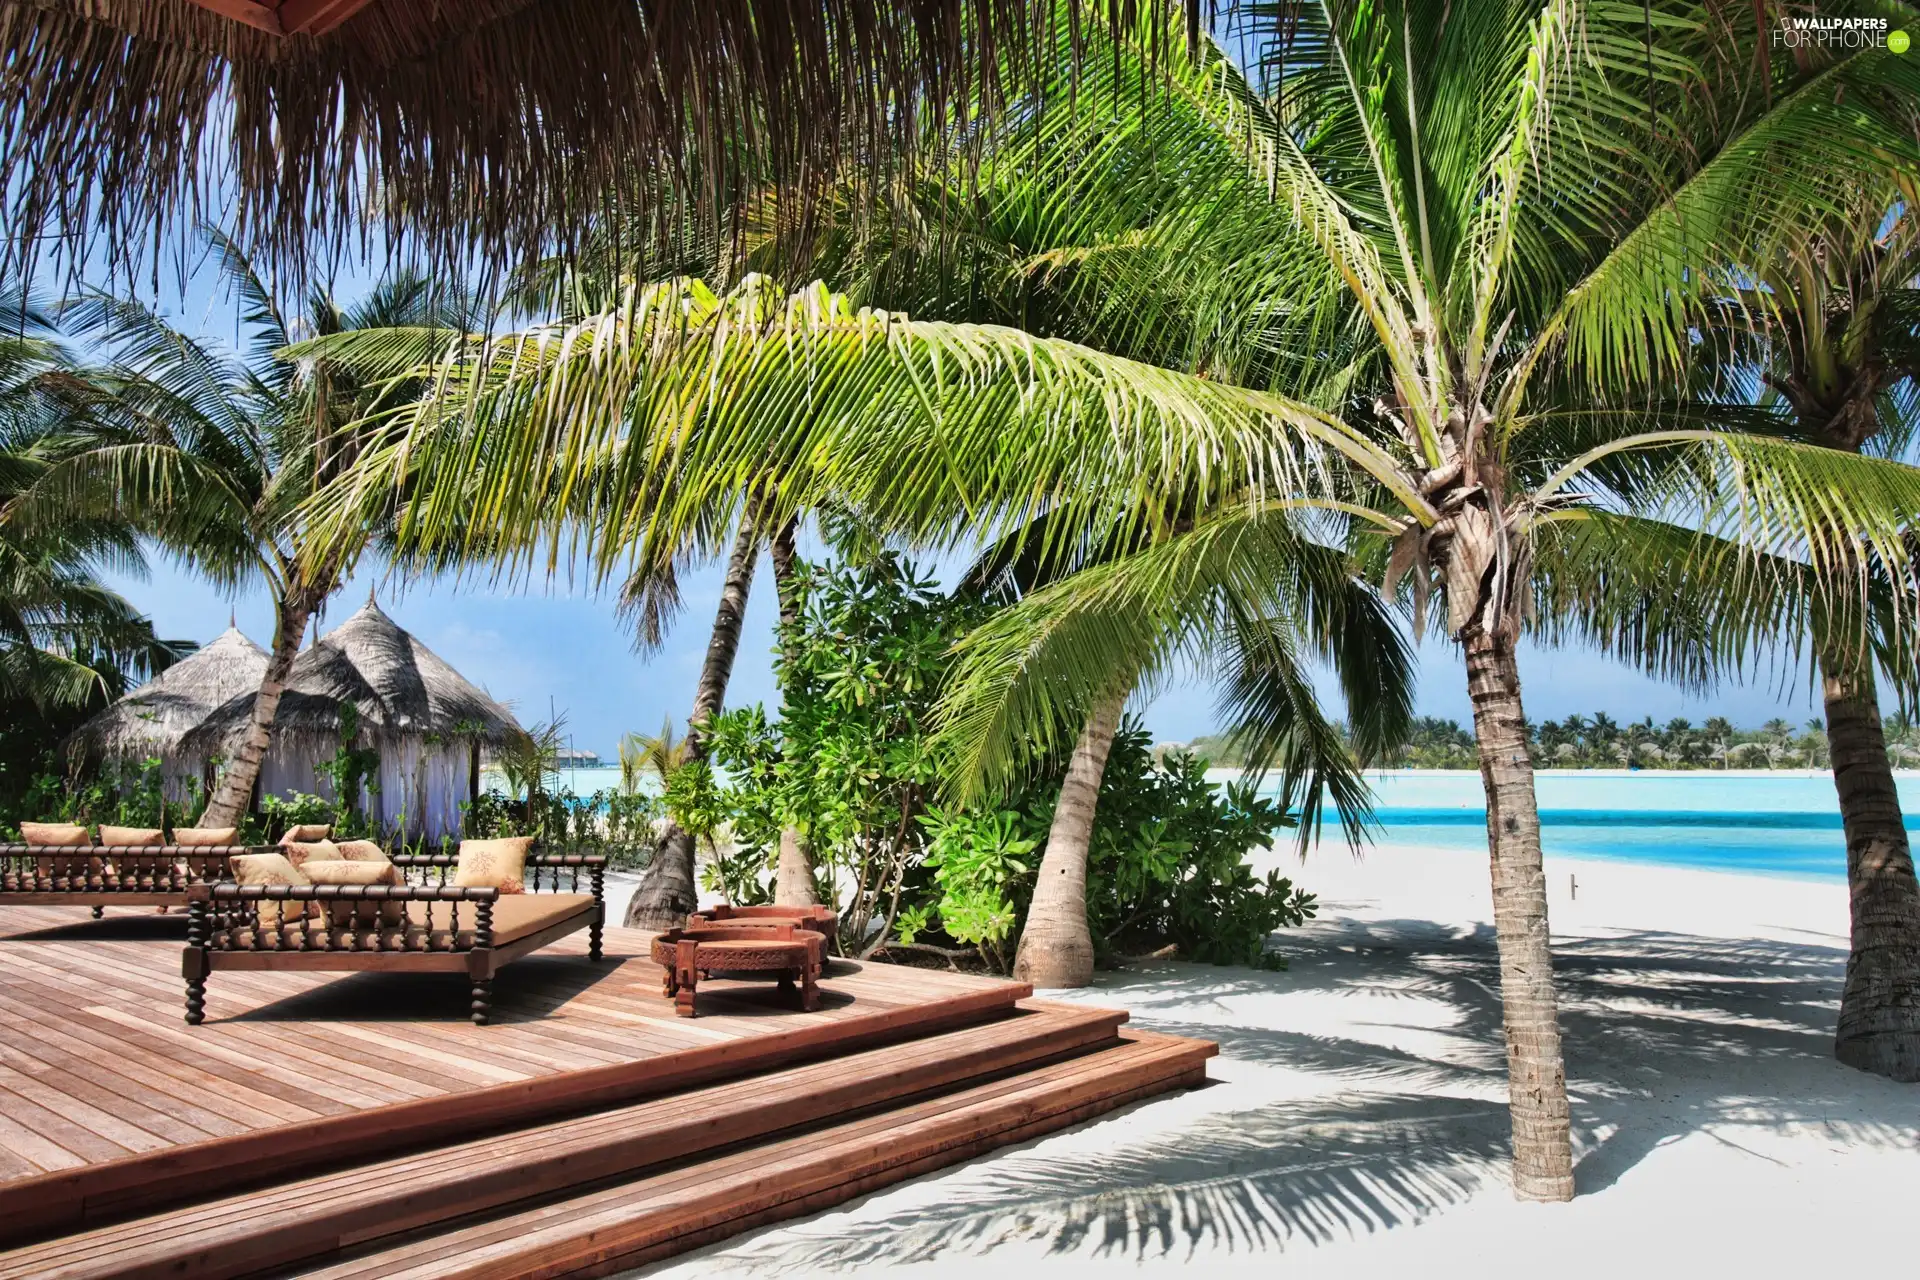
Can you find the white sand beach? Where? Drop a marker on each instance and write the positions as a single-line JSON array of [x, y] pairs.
[[1357, 1124]]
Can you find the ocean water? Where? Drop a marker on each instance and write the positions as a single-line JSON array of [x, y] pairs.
[[1779, 823]]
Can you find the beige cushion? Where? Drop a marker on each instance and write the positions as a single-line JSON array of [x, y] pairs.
[[53, 833], [361, 851], [300, 853], [308, 833], [494, 864], [204, 837], [341, 914], [132, 835], [273, 869]]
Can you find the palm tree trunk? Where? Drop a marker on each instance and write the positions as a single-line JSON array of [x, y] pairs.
[[668, 892], [233, 796], [1879, 1027], [793, 879], [1536, 1071], [1056, 947]]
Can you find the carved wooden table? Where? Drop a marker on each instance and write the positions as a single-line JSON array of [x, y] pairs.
[[764, 950], [820, 919]]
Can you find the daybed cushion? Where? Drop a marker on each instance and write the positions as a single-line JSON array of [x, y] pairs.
[[54, 833], [494, 864], [342, 872], [132, 835], [272, 869], [300, 853], [309, 832], [514, 916], [204, 837], [361, 851]]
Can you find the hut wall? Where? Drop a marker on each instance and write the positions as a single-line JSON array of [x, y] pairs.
[[290, 767], [421, 786]]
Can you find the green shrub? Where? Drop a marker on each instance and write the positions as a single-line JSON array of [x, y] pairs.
[[852, 766]]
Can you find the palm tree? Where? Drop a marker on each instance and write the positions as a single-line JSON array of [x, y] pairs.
[[66, 640], [1840, 358], [212, 453], [1422, 280]]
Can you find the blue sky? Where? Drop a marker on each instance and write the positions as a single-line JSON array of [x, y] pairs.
[[526, 647]]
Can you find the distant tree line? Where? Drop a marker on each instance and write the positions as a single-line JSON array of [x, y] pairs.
[[1599, 741]]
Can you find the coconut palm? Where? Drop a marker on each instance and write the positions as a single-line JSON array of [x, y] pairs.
[[66, 639], [1420, 281], [1840, 357], [211, 453]]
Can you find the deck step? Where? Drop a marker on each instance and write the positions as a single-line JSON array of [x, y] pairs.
[[628, 1225], [92, 1195], [309, 1219]]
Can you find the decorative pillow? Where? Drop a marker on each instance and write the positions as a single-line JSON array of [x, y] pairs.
[[274, 869], [53, 833], [494, 864], [307, 833], [344, 914], [132, 835], [300, 853], [362, 851], [204, 837]]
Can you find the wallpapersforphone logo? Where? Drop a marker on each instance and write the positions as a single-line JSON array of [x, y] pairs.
[[1810, 31]]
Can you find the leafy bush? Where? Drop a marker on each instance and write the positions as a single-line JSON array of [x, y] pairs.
[[610, 822], [124, 794], [852, 766]]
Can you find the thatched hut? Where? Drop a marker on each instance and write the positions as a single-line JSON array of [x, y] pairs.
[[426, 721], [149, 722]]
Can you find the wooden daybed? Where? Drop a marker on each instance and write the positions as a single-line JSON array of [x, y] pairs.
[[102, 876], [427, 925]]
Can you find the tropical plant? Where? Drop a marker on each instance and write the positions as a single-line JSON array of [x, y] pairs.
[[659, 754], [212, 453], [529, 760], [1423, 259]]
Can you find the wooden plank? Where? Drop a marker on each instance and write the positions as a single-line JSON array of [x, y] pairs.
[[317, 17], [640, 1222], [63, 1200], [276, 1228]]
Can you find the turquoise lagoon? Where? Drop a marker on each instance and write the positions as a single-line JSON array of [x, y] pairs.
[[1779, 823]]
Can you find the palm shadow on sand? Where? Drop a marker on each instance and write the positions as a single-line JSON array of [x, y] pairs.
[[1722, 1033]]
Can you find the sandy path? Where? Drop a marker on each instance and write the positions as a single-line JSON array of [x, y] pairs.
[[1358, 1127]]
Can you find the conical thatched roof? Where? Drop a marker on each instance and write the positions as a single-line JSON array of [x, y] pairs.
[[150, 720], [510, 120], [401, 688]]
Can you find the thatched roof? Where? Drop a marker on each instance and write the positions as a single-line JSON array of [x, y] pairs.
[[150, 720], [401, 688], [501, 123]]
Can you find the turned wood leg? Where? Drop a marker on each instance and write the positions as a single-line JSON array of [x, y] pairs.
[[482, 1001], [98, 912], [196, 1001], [594, 937], [686, 977]]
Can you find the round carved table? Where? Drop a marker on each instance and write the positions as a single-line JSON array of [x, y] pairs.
[[820, 919], [780, 950]]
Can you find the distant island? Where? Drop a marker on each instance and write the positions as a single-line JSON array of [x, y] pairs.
[[1600, 742]]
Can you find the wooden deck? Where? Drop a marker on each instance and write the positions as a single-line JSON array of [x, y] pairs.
[[303, 1093]]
